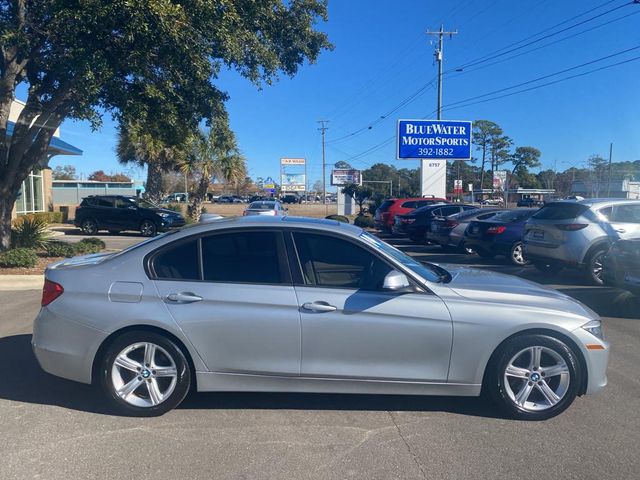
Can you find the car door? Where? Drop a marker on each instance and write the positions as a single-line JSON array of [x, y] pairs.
[[237, 306], [625, 220], [353, 329], [104, 212], [126, 215]]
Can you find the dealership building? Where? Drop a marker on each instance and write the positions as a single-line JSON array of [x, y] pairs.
[[36, 193]]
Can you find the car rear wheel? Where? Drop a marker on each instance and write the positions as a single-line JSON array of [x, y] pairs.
[[484, 253], [534, 377], [89, 226], [144, 374], [148, 228], [593, 267], [516, 254]]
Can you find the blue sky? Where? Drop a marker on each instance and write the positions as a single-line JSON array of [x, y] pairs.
[[382, 56]]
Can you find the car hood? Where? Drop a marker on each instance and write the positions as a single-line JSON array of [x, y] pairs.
[[492, 287]]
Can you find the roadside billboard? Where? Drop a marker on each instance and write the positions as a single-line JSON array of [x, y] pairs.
[[433, 140], [345, 177]]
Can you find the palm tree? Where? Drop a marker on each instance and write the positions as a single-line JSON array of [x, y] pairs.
[[137, 144], [213, 154]]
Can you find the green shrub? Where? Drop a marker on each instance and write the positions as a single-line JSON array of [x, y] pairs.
[[363, 221], [89, 245], [18, 257], [29, 232], [339, 218], [49, 217], [59, 249], [175, 207]]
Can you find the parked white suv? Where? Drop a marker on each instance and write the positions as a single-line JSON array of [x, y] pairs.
[[577, 234]]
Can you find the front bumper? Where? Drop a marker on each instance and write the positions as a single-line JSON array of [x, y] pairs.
[[596, 356], [64, 347]]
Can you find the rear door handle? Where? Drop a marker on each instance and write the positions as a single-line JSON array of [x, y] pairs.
[[620, 230], [319, 307], [183, 297]]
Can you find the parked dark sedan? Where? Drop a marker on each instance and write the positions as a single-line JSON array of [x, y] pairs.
[[621, 265], [500, 235], [417, 223], [116, 213], [448, 232]]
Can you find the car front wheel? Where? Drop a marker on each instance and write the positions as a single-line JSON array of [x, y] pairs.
[[593, 267], [148, 228], [516, 255], [534, 377], [144, 374]]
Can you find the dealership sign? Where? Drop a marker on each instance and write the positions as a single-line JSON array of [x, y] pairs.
[[433, 140], [292, 161], [346, 177]]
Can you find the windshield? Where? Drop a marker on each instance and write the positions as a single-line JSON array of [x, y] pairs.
[[513, 215], [427, 271], [142, 203]]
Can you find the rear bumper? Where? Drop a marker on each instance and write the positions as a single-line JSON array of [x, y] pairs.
[[65, 348], [555, 253]]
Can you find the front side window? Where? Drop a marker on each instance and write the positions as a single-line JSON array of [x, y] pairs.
[[626, 214], [328, 261], [410, 204], [244, 257], [103, 202]]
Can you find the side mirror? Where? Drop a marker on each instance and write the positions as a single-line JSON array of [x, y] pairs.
[[397, 282]]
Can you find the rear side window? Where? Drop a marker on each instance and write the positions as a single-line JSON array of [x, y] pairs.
[[422, 203], [410, 204], [560, 211], [446, 211], [626, 214], [87, 202], [178, 262], [241, 257]]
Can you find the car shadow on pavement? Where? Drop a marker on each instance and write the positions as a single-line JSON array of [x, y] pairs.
[[24, 381]]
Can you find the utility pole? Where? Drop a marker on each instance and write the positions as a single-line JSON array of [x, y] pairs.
[[439, 57], [323, 128], [609, 176]]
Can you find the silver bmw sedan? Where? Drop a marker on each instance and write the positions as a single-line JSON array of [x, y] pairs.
[[304, 305]]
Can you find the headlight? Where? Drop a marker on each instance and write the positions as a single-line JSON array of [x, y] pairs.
[[594, 327], [164, 215]]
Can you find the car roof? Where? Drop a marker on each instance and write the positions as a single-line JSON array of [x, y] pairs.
[[597, 202]]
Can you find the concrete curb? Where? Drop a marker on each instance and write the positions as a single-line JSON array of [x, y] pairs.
[[21, 282]]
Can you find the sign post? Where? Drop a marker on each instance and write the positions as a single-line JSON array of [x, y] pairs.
[[434, 142], [293, 182]]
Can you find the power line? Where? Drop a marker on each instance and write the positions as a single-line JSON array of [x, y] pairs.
[[575, 67], [506, 50], [486, 65]]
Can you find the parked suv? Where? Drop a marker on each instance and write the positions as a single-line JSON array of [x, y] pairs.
[[116, 213], [417, 223], [385, 213], [577, 234]]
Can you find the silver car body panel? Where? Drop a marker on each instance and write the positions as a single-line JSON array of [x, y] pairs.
[[259, 338]]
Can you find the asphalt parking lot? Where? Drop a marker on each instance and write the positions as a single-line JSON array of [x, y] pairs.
[[55, 429]]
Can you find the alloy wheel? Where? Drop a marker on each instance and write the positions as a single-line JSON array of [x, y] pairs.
[[89, 227], [597, 267], [517, 254], [536, 378], [144, 374], [147, 228]]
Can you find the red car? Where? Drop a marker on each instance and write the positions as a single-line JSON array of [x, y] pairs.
[[383, 219]]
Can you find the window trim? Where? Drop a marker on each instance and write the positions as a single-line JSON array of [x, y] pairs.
[[300, 277], [281, 251]]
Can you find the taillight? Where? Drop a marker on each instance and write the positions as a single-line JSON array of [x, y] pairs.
[[496, 230], [50, 291], [572, 227]]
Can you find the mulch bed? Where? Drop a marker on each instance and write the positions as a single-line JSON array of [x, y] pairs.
[[37, 270]]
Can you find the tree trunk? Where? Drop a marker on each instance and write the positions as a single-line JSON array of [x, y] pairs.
[[484, 160], [194, 210], [7, 200], [153, 188]]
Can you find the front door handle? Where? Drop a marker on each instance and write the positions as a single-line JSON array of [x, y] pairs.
[[319, 307], [183, 297], [620, 230]]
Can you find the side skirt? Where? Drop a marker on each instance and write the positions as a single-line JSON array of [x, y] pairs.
[[238, 382]]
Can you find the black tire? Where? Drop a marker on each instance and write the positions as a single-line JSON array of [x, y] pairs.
[[485, 253], [593, 266], [148, 228], [89, 226], [547, 267], [142, 392], [516, 255], [537, 408]]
